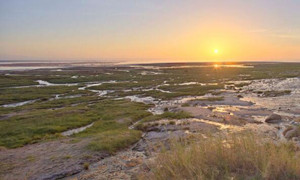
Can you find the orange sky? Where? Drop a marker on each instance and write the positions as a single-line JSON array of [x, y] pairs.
[[145, 31]]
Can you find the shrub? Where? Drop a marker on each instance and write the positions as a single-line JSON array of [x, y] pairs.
[[172, 122], [86, 166]]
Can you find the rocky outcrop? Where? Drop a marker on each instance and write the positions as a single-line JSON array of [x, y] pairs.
[[274, 118]]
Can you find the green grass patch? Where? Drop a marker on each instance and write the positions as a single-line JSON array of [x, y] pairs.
[[114, 140], [42, 124], [14, 95], [16, 80]]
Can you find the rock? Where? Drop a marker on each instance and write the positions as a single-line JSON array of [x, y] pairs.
[[288, 128], [62, 174], [274, 118], [292, 132], [239, 96]]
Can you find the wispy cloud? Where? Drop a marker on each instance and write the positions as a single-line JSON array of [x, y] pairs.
[[258, 30], [285, 34]]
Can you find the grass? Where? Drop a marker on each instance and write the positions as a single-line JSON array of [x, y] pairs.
[[168, 115], [241, 156], [86, 166], [112, 141], [67, 157], [10, 81], [31, 158], [42, 124], [14, 95], [185, 105], [37, 125], [111, 133]]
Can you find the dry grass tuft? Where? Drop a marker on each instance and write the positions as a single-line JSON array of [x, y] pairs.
[[233, 157]]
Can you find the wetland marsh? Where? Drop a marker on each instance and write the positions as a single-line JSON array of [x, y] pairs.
[[108, 122]]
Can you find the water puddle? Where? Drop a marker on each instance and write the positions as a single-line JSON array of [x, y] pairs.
[[188, 83], [18, 104], [150, 73], [43, 83], [163, 91], [96, 84], [196, 83], [58, 96], [77, 130], [102, 92], [46, 83], [146, 100], [99, 92]]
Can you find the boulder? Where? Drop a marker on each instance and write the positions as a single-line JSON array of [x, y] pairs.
[[274, 118], [295, 139], [293, 132]]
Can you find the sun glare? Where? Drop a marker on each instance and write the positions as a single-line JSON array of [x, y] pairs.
[[216, 51], [216, 66]]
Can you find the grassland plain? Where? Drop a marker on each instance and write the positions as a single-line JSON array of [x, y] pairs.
[[130, 81], [61, 107]]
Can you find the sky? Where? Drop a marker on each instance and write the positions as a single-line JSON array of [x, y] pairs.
[[150, 30]]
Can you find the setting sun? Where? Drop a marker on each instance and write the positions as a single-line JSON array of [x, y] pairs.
[[130, 85]]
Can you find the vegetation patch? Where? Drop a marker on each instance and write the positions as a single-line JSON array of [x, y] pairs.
[[276, 93], [15, 95], [240, 156], [112, 141], [41, 124]]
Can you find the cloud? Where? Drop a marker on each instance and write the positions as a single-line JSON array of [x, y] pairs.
[[278, 33], [286, 36], [258, 31]]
